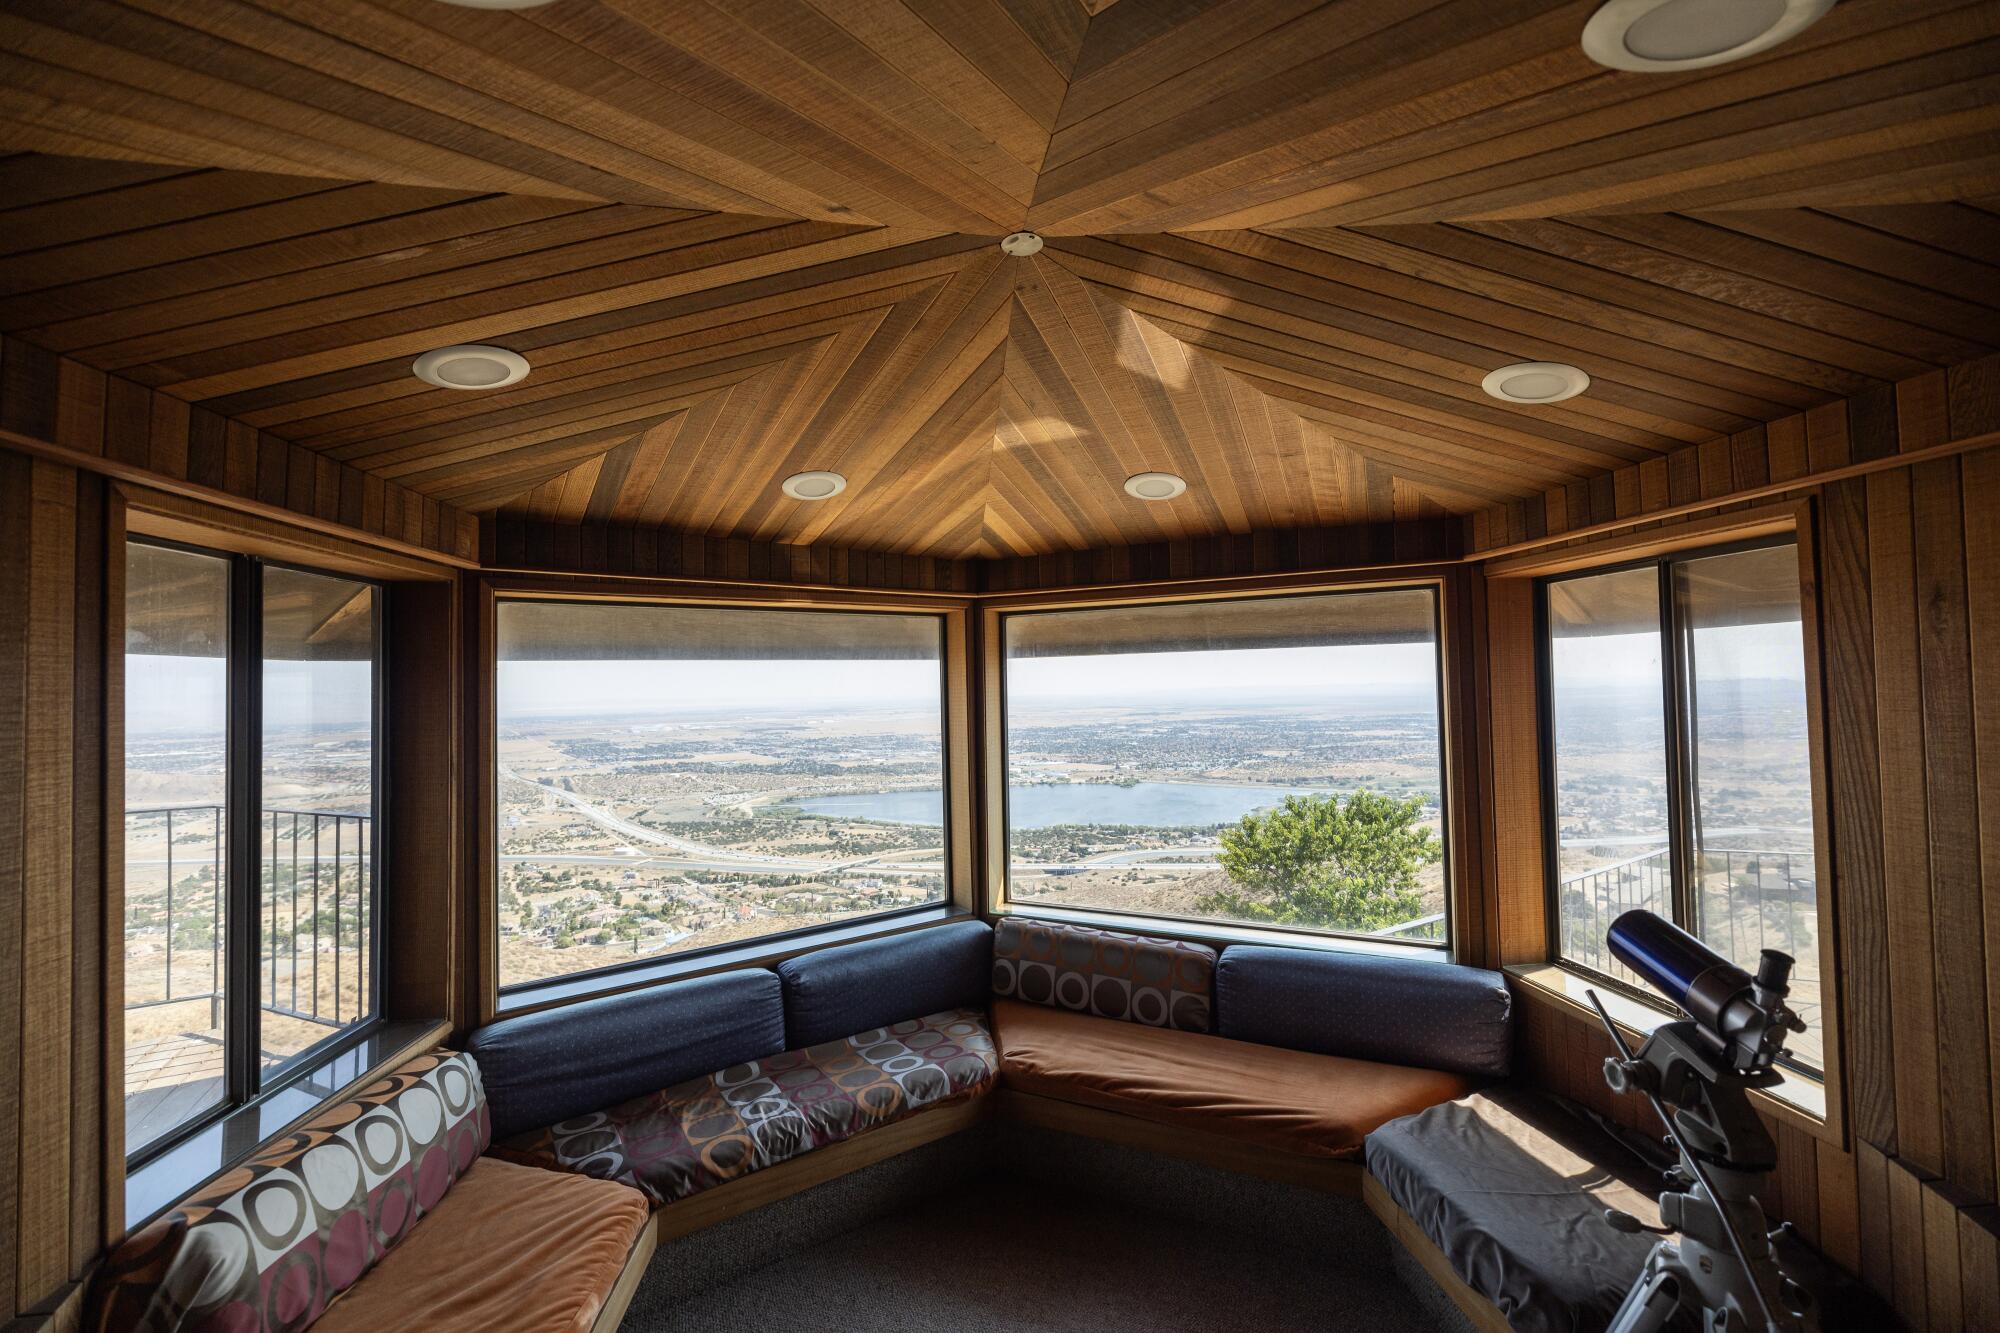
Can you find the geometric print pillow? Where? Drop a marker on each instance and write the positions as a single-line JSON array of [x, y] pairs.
[[268, 1245], [1138, 978]]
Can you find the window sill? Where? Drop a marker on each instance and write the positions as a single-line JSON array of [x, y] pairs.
[[1220, 933], [178, 1171], [533, 995], [1800, 1100]]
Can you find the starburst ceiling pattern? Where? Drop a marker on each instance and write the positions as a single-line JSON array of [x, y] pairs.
[[1286, 240]]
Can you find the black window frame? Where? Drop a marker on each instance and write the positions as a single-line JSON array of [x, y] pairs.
[[246, 1081], [641, 969], [1445, 946], [1673, 670]]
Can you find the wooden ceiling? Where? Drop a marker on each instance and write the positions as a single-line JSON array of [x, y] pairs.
[[1286, 240]]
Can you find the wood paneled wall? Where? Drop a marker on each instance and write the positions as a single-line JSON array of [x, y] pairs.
[[1278, 551], [515, 543], [56, 407], [1931, 409], [1909, 595], [54, 1035], [512, 542]]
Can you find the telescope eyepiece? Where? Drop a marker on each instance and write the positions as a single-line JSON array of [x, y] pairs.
[[1774, 970]]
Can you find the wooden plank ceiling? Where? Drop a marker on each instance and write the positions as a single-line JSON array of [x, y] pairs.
[[1286, 240]]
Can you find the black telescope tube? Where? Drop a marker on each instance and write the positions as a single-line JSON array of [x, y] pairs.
[[1679, 966]]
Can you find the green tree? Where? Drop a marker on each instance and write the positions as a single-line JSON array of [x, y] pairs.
[[1319, 861]]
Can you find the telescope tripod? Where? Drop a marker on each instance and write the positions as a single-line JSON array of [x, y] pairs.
[[1720, 1266], [1700, 1270]]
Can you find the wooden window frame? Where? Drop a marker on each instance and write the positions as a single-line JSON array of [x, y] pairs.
[[1463, 936], [961, 902], [411, 1015], [1521, 897]]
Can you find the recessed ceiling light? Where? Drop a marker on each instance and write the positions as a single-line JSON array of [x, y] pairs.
[[1155, 486], [813, 485], [470, 367], [1663, 35], [1535, 382], [499, 4], [1021, 244]]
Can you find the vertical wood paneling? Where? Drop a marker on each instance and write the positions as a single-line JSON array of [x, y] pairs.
[[42, 1255], [1905, 821], [1847, 633], [1958, 943], [1981, 497], [1906, 1231], [425, 757], [85, 413], [575, 548], [88, 1011], [16, 510], [52, 910], [1514, 776]]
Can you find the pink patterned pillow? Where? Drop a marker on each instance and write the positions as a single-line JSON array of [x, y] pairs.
[[269, 1244]]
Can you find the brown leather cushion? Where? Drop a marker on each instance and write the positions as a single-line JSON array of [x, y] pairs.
[[1293, 1101], [509, 1247]]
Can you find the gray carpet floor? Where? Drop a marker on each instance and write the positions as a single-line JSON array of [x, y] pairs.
[[1004, 1254]]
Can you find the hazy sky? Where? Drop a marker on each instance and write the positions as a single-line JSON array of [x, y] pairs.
[[1747, 652], [166, 695], [663, 687], [653, 688], [184, 695]]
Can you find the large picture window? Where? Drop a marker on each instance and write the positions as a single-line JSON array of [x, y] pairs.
[[1270, 761], [674, 778], [1681, 779], [252, 699]]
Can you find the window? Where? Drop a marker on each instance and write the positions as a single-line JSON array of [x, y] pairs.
[[252, 701], [673, 778], [1681, 779], [1268, 761]]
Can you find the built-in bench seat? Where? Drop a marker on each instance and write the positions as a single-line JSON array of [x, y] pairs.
[[381, 1212], [548, 1145], [680, 1091], [1286, 1101], [1297, 1052], [710, 1130], [1501, 1195], [510, 1247]]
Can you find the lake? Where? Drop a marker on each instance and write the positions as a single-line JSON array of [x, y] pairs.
[[1158, 804]]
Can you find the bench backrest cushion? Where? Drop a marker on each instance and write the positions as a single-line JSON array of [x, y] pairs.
[[1402, 1011], [562, 1063], [267, 1245], [1138, 978], [834, 993]]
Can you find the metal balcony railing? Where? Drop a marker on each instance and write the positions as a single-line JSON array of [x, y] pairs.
[[1429, 928], [1748, 900], [314, 904]]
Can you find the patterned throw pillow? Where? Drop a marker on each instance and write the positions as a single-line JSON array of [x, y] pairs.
[[267, 1245], [1139, 978]]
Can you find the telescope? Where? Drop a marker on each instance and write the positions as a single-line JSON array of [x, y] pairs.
[[1715, 1258], [1743, 1017]]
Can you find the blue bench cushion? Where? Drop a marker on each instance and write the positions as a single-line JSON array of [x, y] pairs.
[[710, 1130], [1396, 1010], [853, 987], [1512, 1186], [1138, 978], [549, 1066]]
